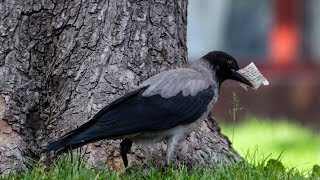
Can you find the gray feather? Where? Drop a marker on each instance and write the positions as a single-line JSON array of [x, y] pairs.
[[170, 83]]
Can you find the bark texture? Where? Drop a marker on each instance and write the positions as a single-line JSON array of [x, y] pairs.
[[62, 61]]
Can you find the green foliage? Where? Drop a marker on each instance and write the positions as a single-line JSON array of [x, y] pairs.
[[298, 146], [316, 171], [275, 165], [234, 110]]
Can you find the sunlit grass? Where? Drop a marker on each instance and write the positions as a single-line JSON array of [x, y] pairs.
[[298, 146]]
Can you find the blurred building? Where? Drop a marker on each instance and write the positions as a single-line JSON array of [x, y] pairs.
[[282, 37]]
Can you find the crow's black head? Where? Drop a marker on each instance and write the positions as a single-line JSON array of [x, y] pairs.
[[225, 66]]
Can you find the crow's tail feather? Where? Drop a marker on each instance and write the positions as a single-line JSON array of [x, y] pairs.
[[70, 141], [92, 130], [56, 145]]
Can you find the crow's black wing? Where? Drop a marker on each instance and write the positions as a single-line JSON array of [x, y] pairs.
[[136, 113]]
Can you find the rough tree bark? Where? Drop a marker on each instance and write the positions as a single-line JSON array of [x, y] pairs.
[[62, 61]]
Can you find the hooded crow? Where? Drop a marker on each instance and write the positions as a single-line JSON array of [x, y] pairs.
[[167, 106]]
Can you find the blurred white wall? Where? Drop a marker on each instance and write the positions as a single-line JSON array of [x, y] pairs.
[[206, 26], [314, 9], [238, 27]]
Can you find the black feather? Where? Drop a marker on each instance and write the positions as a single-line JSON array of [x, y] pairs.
[[135, 113]]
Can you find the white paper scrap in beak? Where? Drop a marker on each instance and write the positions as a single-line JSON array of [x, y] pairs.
[[252, 74]]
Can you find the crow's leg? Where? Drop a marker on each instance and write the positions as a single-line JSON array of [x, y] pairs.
[[125, 147], [172, 144]]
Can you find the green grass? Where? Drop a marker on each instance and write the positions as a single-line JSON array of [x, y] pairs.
[[66, 169], [299, 147]]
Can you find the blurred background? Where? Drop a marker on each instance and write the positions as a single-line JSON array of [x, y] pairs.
[[282, 37]]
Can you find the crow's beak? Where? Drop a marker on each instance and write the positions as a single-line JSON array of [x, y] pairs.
[[238, 77]]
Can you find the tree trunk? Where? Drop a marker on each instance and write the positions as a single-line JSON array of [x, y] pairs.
[[62, 61]]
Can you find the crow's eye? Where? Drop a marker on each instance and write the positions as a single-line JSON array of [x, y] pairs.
[[231, 63]]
